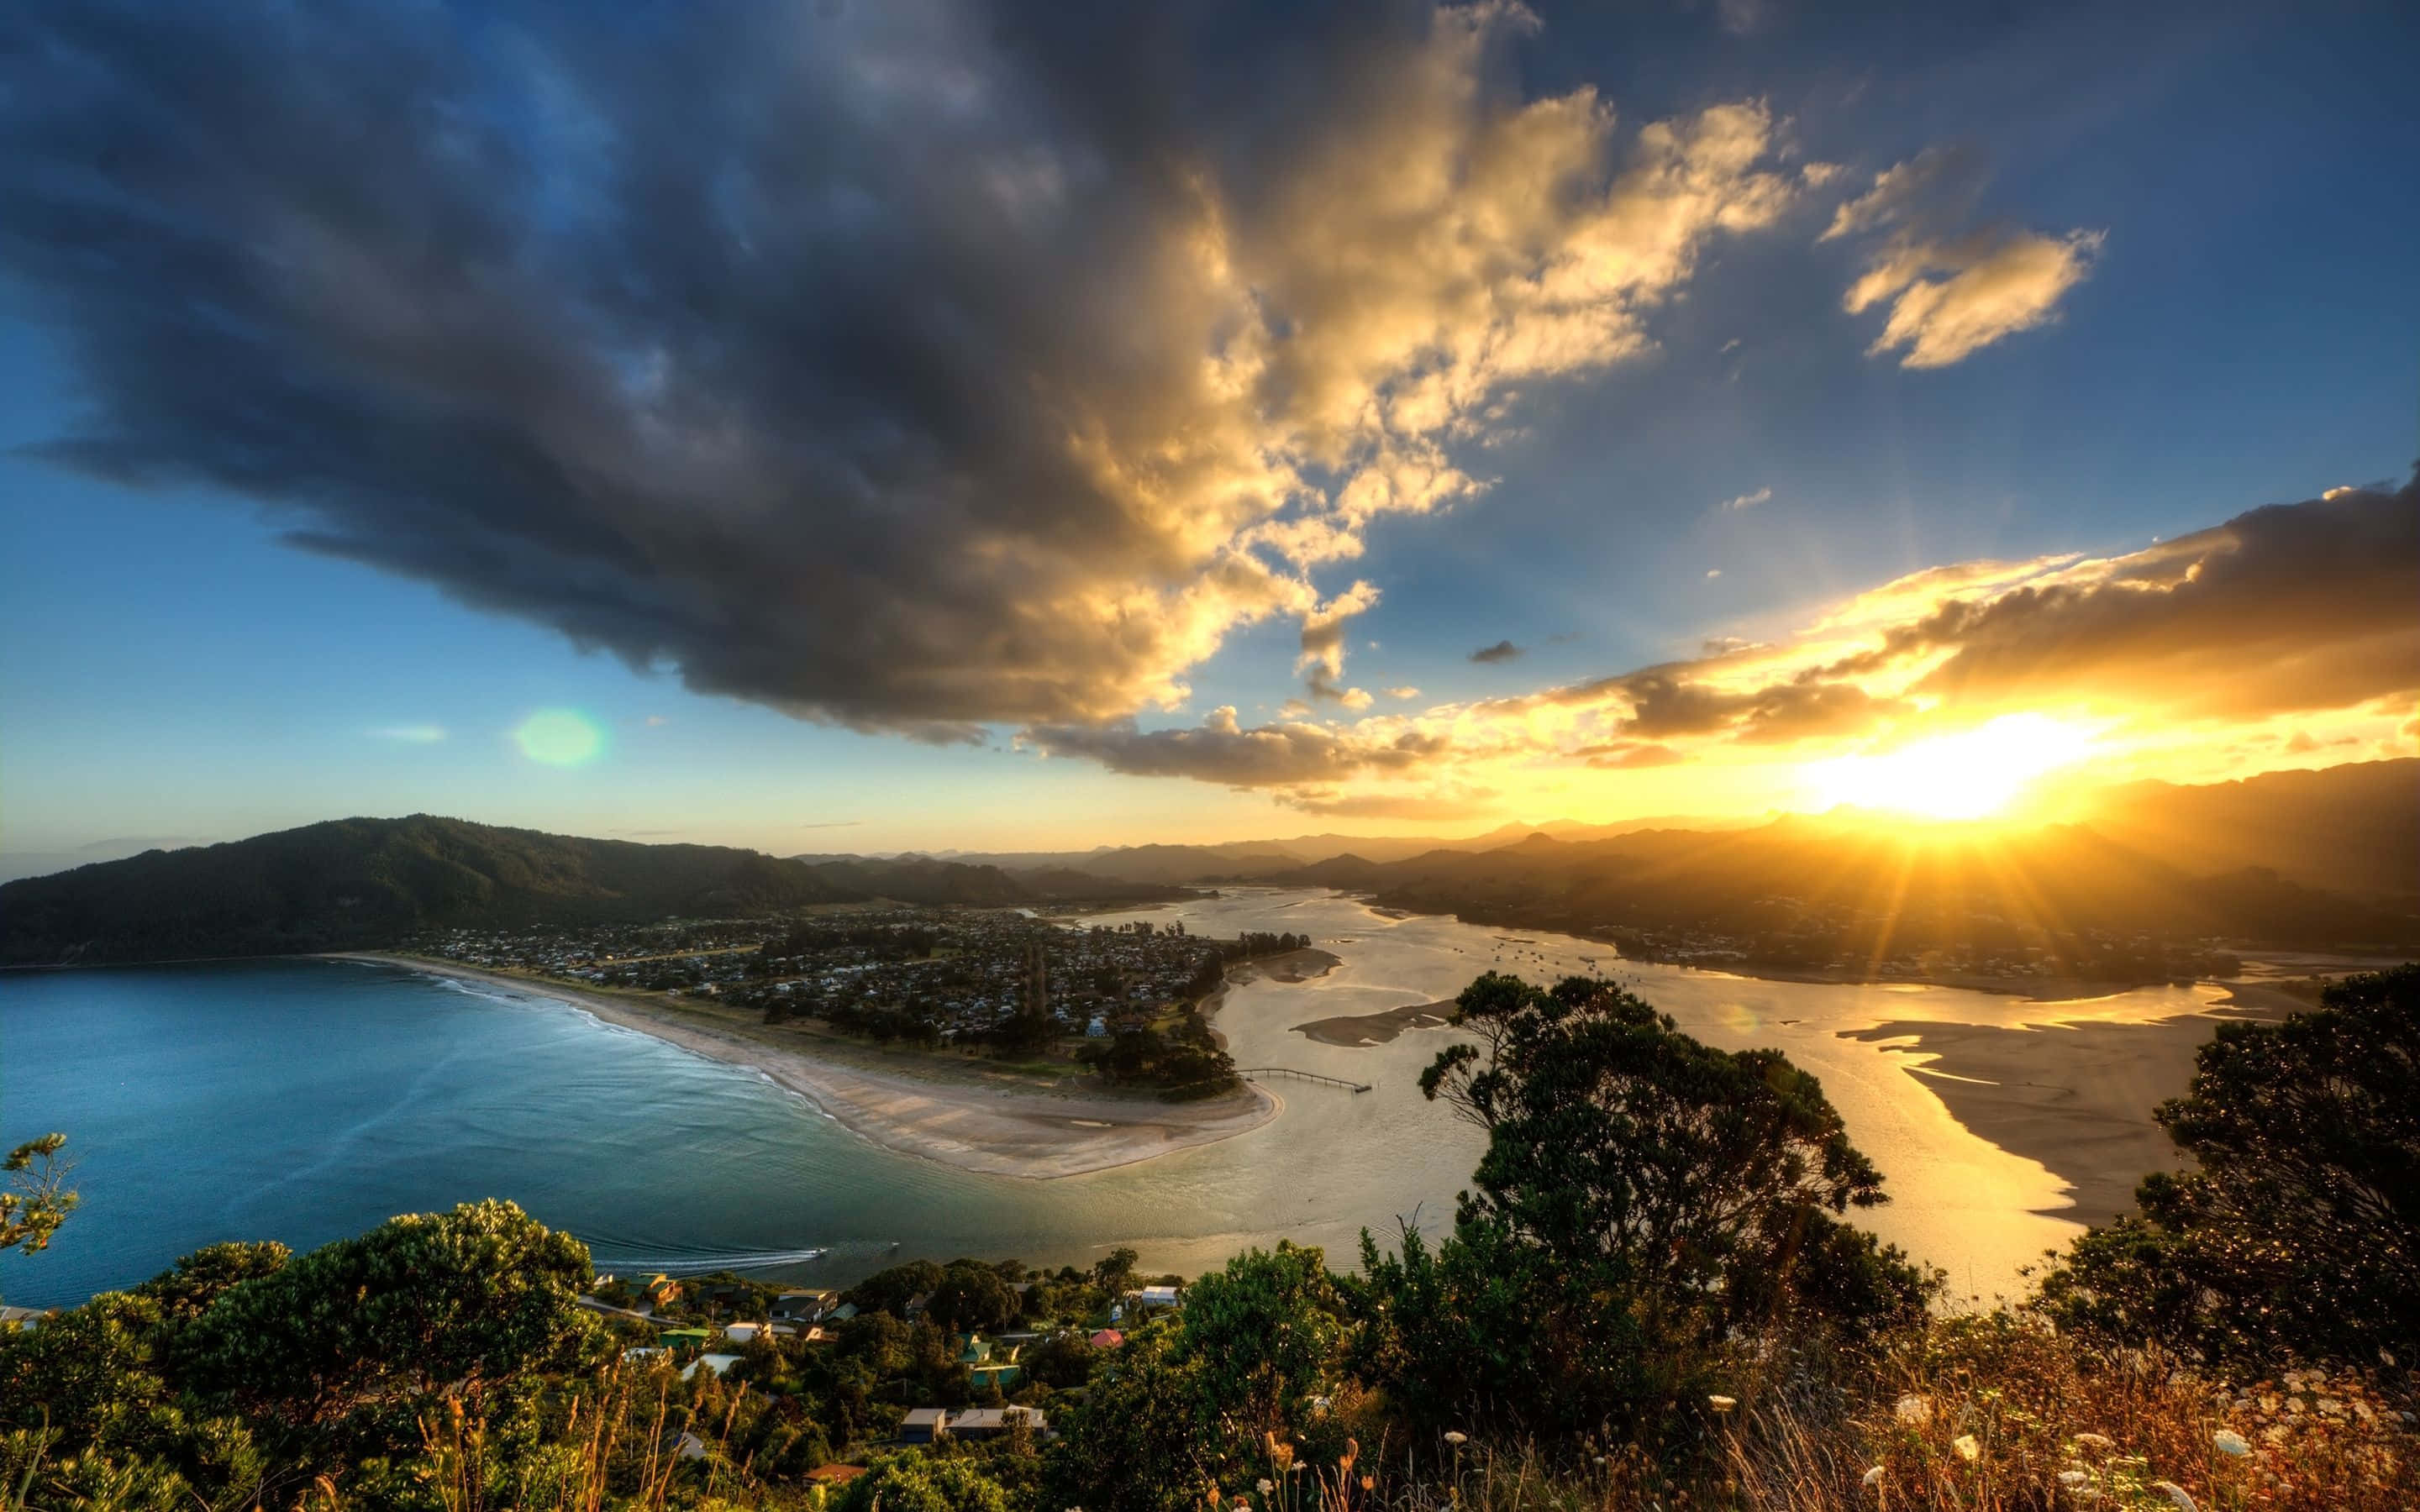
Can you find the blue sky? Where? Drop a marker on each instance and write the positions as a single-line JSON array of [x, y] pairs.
[[2244, 335]]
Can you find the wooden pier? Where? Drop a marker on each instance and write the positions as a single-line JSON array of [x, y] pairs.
[[1254, 1072]]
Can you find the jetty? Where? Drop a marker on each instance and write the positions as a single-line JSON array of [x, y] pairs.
[[1256, 1073]]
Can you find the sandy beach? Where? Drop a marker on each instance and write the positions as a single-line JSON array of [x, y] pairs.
[[2076, 1097], [996, 1123]]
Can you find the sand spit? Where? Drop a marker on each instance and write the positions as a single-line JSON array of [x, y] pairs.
[[959, 1116]]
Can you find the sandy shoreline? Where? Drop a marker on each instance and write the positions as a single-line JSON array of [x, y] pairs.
[[957, 1120], [2077, 1097]]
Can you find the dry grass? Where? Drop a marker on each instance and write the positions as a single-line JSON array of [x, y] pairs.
[[1989, 1413]]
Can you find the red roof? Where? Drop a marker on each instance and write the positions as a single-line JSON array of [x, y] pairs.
[[1107, 1338]]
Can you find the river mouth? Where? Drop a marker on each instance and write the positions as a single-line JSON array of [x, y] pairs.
[[1980, 1184], [357, 1093]]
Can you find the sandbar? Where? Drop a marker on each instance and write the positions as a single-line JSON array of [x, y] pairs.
[[2077, 1097], [1355, 1030], [1293, 967], [960, 1114]]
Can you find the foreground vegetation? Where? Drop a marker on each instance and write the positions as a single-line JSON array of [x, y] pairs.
[[1650, 1300]]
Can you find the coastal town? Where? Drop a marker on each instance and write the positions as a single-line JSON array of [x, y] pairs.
[[1123, 1000]]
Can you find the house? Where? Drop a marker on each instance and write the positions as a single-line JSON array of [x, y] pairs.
[[998, 1376], [1159, 1297], [924, 1425], [804, 1307], [685, 1339], [745, 1333], [716, 1362], [20, 1317], [990, 1422], [1107, 1338]]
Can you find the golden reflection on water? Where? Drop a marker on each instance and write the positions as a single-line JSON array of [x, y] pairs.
[[1336, 1162]]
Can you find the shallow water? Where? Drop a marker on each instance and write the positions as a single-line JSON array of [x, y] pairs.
[[304, 1099]]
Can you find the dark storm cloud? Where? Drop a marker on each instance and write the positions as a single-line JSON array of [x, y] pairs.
[[1220, 750], [1663, 705], [908, 365], [1500, 652]]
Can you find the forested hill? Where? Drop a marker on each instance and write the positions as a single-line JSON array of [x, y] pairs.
[[354, 883]]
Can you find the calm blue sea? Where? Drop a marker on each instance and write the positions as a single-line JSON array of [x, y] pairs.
[[303, 1101]]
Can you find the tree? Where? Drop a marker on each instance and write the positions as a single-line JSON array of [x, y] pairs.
[[1639, 1156], [892, 1290], [456, 1300], [2299, 1233], [1114, 1272], [34, 1205], [1061, 1360], [970, 1298], [1267, 1333], [1642, 1197], [912, 1482], [1134, 1444], [186, 1289]]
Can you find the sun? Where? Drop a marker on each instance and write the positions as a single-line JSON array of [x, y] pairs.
[[1975, 775]]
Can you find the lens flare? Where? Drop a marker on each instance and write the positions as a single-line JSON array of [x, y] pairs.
[[559, 737]]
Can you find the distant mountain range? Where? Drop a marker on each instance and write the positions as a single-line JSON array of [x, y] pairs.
[[2312, 859], [2324, 859], [357, 883], [1247, 860]]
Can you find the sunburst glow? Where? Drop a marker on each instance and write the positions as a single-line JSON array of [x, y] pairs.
[[1976, 775]]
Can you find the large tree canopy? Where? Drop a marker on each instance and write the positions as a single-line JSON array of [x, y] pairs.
[[1630, 1149], [1641, 1196], [421, 1302]]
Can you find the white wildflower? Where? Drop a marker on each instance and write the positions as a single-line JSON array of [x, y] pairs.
[[1914, 1411], [1267, 1485], [1456, 1437], [1873, 1477], [2228, 1441], [1967, 1447], [2072, 1478], [1721, 1403], [2176, 1495]]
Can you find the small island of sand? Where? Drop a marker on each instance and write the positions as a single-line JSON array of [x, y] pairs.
[[962, 1114], [1355, 1030], [1293, 968]]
